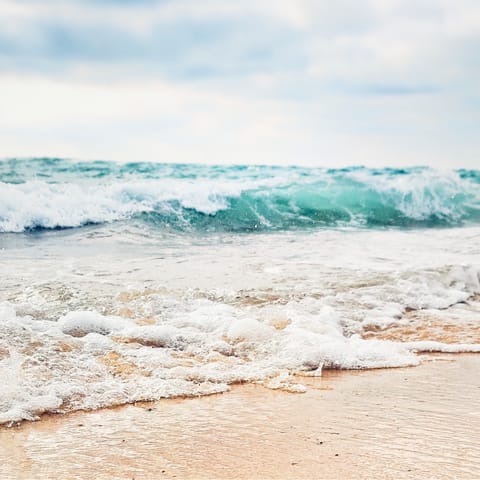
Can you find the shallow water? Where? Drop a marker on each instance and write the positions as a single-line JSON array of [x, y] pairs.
[[84, 326], [128, 310]]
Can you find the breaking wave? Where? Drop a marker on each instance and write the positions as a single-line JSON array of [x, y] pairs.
[[232, 199]]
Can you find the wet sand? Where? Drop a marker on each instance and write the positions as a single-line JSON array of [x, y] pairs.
[[421, 422]]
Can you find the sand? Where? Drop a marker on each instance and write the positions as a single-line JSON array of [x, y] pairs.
[[421, 422]]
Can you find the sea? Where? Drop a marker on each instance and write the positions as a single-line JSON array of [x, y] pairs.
[[127, 282]]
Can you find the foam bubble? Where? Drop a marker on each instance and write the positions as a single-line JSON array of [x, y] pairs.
[[250, 330], [79, 324], [17, 400]]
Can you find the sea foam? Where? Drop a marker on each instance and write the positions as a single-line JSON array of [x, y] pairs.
[[165, 345], [118, 313]]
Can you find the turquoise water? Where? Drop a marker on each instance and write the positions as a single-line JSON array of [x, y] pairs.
[[46, 193]]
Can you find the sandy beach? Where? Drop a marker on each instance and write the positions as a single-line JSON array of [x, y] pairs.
[[239, 240], [420, 422]]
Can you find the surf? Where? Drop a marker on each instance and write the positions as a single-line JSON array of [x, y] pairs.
[[43, 194]]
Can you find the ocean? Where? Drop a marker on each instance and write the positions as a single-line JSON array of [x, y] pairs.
[[128, 282]]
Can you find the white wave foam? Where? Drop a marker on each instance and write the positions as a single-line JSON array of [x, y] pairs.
[[79, 324], [419, 195], [262, 308], [87, 360], [48, 205], [430, 346]]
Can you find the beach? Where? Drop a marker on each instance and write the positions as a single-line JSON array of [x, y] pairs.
[[239, 240], [417, 422], [238, 322]]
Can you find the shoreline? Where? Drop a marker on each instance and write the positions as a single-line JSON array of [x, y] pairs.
[[390, 423]]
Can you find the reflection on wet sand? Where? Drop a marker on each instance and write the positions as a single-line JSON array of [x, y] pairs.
[[384, 424]]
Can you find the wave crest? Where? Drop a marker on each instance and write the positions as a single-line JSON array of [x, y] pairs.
[[236, 200]]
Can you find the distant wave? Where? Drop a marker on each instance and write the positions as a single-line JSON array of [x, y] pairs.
[[52, 194]]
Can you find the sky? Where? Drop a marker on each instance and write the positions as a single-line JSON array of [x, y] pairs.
[[288, 82]]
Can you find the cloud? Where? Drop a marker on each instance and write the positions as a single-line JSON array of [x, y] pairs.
[[304, 81], [161, 40], [369, 46]]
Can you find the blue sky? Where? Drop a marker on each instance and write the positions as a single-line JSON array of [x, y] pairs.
[[306, 82]]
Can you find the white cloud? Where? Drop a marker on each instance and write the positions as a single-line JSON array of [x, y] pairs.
[[289, 81]]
